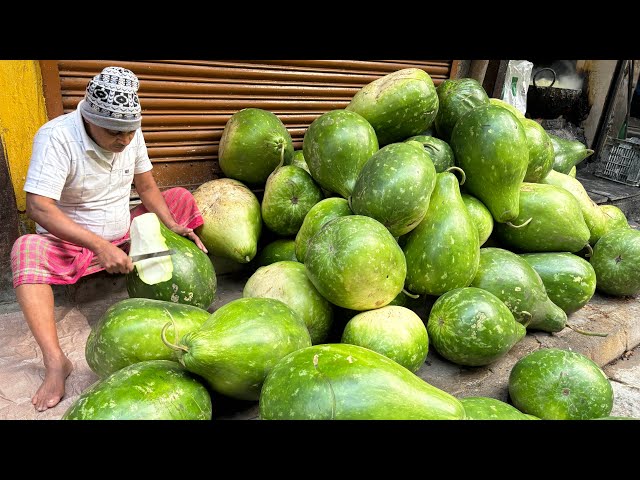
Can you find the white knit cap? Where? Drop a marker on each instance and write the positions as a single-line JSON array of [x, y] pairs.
[[111, 100]]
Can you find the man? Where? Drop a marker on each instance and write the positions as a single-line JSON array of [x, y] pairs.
[[78, 186]]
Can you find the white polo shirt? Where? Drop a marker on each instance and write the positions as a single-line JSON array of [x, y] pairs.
[[91, 185]]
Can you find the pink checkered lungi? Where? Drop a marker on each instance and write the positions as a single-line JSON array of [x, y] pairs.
[[44, 258]]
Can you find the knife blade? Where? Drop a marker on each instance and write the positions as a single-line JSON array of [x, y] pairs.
[[144, 256]]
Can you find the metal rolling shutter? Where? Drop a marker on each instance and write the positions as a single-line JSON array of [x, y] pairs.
[[186, 103]]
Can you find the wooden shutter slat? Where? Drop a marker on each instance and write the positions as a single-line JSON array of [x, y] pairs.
[[192, 135], [210, 105], [202, 137], [146, 70], [351, 65], [153, 88], [364, 67]]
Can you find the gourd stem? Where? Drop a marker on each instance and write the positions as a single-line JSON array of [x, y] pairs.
[[175, 326], [526, 324], [590, 334], [408, 294], [521, 225], [464, 175], [590, 251], [175, 332], [333, 395], [349, 203]]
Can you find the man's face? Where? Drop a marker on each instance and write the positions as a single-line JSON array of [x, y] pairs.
[[111, 140]]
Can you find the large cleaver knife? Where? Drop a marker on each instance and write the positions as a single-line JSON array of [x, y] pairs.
[[144, 256]]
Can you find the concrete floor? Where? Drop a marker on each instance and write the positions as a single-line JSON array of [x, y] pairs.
[[80, 306]]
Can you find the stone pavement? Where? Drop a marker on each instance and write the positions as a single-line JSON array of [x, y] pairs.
[[80, 306]]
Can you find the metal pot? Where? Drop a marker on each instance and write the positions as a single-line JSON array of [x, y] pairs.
[[553, 102]]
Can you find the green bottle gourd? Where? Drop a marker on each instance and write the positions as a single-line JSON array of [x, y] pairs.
[[490, 145], [442, 252]]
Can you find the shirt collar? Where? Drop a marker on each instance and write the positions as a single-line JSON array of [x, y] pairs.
[[92, 149]]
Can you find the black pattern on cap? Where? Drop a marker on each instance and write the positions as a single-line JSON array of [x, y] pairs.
[[113, 93]]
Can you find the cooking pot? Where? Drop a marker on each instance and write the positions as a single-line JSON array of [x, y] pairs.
[[553, 102]]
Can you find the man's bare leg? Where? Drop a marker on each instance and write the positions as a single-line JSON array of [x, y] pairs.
[[36, 301]]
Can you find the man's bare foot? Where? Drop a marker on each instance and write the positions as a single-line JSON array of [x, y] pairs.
[[52, 389]]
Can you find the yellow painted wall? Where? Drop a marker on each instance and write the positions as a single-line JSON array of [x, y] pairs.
[[22, 112]]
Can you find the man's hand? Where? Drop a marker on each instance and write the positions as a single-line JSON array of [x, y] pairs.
[[153, 200], [188, 232], [114, 259]]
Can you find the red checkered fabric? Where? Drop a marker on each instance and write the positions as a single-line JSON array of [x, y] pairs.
[[44, 258]]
